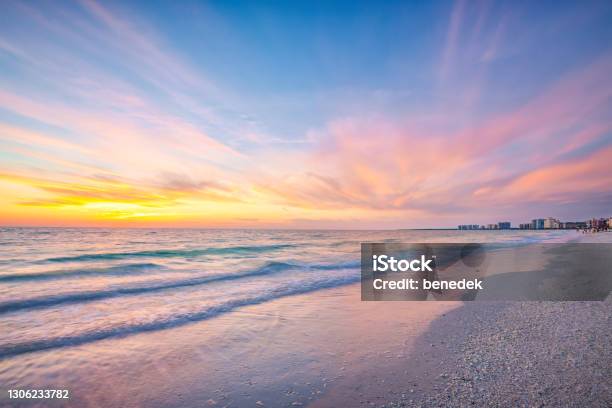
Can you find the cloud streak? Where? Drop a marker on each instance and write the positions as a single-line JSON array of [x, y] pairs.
[[514, 157], [112, 114]]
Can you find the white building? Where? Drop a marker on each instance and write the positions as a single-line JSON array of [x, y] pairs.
[[551, 223]]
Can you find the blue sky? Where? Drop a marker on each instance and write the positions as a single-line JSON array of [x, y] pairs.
[[304, 114]]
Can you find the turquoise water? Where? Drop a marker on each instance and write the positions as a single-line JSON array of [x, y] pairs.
[[66, 287]]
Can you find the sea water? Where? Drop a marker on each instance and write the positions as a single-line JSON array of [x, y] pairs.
[[70, 298]]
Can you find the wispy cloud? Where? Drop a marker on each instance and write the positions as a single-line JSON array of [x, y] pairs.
[[452, 38], [520, 155], [106, 114]]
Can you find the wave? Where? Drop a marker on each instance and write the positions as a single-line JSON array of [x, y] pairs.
[[167, 253], [12, 350], [329, 267], [80, 297], [113, 270]]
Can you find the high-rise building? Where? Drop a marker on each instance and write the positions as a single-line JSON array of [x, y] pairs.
[[599, 224], [551, 223], [468, 227], [503, 225]]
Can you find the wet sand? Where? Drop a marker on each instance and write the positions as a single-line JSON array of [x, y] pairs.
[[289, 352], [329, 349], [508, 354]]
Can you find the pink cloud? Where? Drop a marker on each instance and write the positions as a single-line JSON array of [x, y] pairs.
[[380, 163]]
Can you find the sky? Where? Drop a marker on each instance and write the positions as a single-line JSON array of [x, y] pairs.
[[271, 114]]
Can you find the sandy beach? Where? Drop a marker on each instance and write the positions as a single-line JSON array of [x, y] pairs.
[[337, 351], [289, 352], [327, 348], [527, 354], [505, 354]]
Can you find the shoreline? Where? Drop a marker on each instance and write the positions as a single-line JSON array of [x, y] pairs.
[[328, 348], [507, 353], [292, 351]]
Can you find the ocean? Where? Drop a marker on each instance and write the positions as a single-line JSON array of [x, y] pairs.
[[63, 287], [67, 292]]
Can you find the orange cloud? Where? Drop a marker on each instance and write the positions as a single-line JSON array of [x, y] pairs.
[[564, 181], [382, 164]]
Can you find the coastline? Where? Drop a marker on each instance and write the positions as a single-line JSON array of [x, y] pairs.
[[500, 353], [292, 351], [328, 348]]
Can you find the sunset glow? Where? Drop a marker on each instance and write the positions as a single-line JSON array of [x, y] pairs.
[[118, 115]]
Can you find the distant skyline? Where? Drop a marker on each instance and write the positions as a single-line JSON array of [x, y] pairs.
[[361, 115]]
